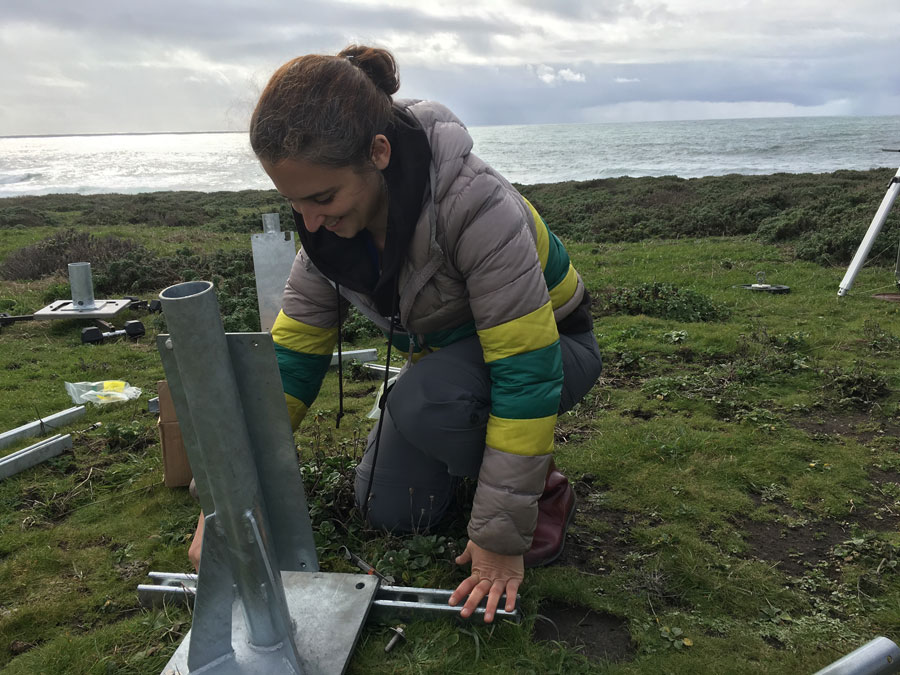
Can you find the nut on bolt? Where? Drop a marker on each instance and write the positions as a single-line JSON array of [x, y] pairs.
[[398, 635]]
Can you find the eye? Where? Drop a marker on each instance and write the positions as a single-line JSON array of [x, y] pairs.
[[324, 200]]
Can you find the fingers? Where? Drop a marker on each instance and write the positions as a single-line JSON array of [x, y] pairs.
[[512, 589], [464, 558], [481, 589], [476, 589], [493, 598], [462, 590]]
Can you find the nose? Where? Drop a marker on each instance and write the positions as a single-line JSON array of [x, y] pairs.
[[313, 218]]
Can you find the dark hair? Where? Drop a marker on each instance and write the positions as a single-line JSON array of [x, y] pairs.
[[325, 109]]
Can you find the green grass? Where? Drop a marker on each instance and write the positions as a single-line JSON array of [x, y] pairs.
[[738, 478]]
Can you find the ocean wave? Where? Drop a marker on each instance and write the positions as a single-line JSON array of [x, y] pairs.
[[18, 178]]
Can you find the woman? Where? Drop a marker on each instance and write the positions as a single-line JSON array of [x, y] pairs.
[[399, 218]]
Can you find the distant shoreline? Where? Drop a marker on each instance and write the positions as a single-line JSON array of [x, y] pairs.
[[124, 133]]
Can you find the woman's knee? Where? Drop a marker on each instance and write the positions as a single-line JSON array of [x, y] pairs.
[[397, 507]]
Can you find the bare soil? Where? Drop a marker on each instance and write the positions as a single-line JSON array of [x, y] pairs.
[[601, 637]]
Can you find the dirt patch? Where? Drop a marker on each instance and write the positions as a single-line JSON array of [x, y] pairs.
[[795, 542], [793, 550], [601, 637], [640, 413], [17, 647], [598, 537], [853, 425]]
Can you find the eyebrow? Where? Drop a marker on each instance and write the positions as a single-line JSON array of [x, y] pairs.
[[317, 195]]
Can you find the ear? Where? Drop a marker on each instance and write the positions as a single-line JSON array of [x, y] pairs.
[[381, 152]]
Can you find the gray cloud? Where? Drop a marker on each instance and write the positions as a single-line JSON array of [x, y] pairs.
[[98, 65]]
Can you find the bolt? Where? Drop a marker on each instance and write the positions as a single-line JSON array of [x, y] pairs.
[[397, 636]]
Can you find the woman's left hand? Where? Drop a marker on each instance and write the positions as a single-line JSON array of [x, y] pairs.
[[492, 575]]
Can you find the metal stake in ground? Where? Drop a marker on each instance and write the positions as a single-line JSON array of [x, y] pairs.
[[261, 606]]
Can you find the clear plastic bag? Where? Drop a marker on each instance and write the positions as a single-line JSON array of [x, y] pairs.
[[101, 393]]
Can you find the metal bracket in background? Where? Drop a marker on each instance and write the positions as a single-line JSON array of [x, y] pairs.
[[378, 368], [8, 320], [361, 355], [41, 426], [34, 454], [273, 255], [390, 603]]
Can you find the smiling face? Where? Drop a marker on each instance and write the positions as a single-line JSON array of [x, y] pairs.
[[343, 200]]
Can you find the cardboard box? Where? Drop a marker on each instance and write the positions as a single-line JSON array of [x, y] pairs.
[[176, 469], [166, 407]]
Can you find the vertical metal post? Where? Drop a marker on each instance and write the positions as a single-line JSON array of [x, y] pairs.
[[273, 255], [271, 223], [208, 380], [82, 285]]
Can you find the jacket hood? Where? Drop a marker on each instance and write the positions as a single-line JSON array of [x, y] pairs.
[[455, 142]]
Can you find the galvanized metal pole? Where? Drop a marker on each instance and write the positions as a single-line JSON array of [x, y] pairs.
[[34, 454], [41, 426], [273, 255], [201, 353], [82, 286], [878, 657]]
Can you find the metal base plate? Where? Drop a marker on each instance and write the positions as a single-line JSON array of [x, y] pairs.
[[328, 611], [767, 288], [66, 309]]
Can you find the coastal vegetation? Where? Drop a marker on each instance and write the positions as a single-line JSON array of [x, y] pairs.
[[736, 467]]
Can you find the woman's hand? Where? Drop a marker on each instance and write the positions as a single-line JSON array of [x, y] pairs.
[[492, 575], [197, 544]]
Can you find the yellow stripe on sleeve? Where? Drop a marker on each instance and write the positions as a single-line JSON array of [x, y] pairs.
[[296, 409], [521, 437], [301, 337], [519, 336], [565, 289], [543, 237]]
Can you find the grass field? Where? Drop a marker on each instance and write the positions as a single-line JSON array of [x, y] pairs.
[[736, 466]]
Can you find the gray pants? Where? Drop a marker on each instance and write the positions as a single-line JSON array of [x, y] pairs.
[[434, 428]]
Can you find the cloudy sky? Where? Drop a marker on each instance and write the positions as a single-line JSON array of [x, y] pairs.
[[86, 66]]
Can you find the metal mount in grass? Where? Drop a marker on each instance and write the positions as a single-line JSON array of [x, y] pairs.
[[261, 604], [763, 287]]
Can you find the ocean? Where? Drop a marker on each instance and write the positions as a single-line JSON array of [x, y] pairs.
[[527, 154]]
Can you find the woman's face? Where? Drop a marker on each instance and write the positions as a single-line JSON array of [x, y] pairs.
[[343, 200]]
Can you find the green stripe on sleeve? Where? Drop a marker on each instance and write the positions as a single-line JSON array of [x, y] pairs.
[[301, 374], [527, 385], [557, 262]]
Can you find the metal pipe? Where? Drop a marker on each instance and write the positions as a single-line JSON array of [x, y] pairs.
[[361, 355], [869, 238], [877, 657], [197, 339], [82, 286], [34, 455], [271, 223], [41, 426]]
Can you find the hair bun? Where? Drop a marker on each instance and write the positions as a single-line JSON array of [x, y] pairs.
[[378, 65]]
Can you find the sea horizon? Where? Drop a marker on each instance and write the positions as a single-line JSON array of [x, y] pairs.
[[527, 154], [473, 126]]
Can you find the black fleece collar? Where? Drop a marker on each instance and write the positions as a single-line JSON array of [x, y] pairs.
[[349, 262]]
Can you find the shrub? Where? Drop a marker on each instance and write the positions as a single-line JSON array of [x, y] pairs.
[[663, 301], [54, 254], [19, 216]]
